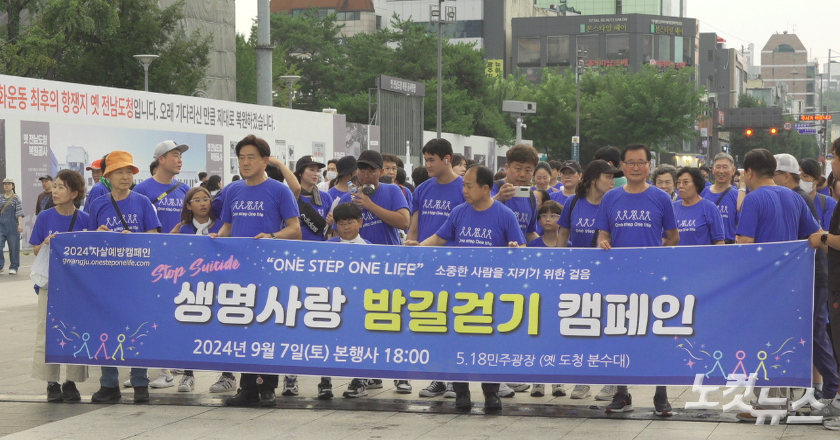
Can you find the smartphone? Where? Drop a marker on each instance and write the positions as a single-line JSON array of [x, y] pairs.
[[522, 191]]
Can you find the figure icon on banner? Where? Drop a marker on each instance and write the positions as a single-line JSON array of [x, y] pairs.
[[85, 337], [740, 355], [103, 337], [120, 339], [718, 355], [761, 364]]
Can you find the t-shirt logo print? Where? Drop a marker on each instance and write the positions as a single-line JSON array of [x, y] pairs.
[[632, 215], [585, 223], [437, 204], [248, 205], [115, 221], [687, 223], [471, 232]]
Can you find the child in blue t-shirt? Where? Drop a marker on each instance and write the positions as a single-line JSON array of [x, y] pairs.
[[549, 214]]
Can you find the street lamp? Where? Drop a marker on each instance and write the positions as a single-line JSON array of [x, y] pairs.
[[145, 60], [581, 54], [828, 102], [290, 82], [441, 17]]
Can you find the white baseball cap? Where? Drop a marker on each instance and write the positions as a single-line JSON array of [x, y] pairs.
[[167, 146], [787, 163]]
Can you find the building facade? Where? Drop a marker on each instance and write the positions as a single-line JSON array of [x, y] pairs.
[[670, 8], [784, 60], [357, 16], [723, 71]]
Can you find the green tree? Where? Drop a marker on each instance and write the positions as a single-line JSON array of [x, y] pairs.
[[246, 69], [791, 142]]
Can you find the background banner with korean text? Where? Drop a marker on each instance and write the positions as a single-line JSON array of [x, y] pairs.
[[624, 316]]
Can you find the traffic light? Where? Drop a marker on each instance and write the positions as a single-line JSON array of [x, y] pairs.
[[774, 130], [749, 132]]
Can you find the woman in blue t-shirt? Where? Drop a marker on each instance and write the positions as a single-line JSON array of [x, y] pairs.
[[69, 190], [698, 220], [810, 179], [315, 222], [577, 223]]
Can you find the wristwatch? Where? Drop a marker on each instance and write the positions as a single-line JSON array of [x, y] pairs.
[[824, 238]]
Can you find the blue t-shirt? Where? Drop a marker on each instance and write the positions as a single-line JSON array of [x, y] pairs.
[[50, 222], [409, 198], [323, 211], [699, 224], [189, 228], [136, 209], [434, 202], [558, 187], [537, 242], [826, 192], [728, 208], [580, 222], [775, 213], [824, 211], [387, 196], [169, 207], [559, 197], [495, 226], [219, 201], [524, 208], [263, 208], [338, 240], [96, 191], [336, 193], [635, 220]]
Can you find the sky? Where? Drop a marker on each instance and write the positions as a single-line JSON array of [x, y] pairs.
[[739, 22]]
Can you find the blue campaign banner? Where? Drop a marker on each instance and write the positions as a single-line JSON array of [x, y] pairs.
[[624, 316]]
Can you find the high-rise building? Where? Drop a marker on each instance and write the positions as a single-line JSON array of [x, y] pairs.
[[784, 60], [670, 8]]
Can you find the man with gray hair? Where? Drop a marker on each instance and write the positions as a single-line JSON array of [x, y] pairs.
[[724, 195]]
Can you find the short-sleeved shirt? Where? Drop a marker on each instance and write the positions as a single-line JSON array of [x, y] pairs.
[[699, 224], [387, 196], [537, 242], [136, 209], [96, 191], [775, 213], [825, 210], [834, 254], [524, 208], [635, 220], [219, 200], [495, 226], [50, 222], [580, 221], [190, 229], [357, 240], [169, 207], [323, 211], [559, 197], [728, 208], [258, 209], [409, 198], [433, 202]]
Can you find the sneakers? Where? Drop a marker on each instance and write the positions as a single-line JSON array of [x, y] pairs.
[[186, 384], [69, 392], [505, 391], [827, 411], [435, 389], [621, 402], [492, 402], [463, 401], [243, 398], [267, 398], [12, 271], [661, 407], [580, 392], [606, 393], [106, 395], [325, 390], [373, 383], [538, 390], [290, 386], [141, 394], [165, 380], [178, 371], [558, 390], [54, 392], [403, 386], [127, 383], [450, 392], [357, 388], [223, 384], [519, 387], [748, 417]]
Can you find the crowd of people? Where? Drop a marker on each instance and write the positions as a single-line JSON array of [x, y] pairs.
[[457, 203]]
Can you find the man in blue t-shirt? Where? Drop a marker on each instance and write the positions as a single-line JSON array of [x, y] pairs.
[[435, 198], [165, 191], [259, 208], [636, 215], [98, 189], [520, 163], [384, 207], [480, 222], [722, 194]]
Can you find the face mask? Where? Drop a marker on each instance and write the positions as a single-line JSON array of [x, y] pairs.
[[806, 186], [331, 175]]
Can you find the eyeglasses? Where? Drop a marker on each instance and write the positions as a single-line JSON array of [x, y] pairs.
[[204, 200], [635, 164], [390, 168], [549, 216], [344, 224]]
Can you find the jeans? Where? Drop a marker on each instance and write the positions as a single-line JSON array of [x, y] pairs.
[[9, 233], [111, 377]]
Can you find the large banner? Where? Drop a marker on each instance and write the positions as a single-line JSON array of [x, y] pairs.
[[624, 316]]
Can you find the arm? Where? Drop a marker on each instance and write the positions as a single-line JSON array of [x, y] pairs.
[[288, 176], [177, 228], [291, 231], [604, 240], [741, 239], [531, 237], [399, 219], [413, 227], [434, 240], [505, 193], [223, 232], [718, 242], [672, 237], [741, 195], [563, 237]]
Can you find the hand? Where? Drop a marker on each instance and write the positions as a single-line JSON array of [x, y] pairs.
[[605, 245], [329, 219], [125, 231], [213, 235], [506, 192], [362, 201], [20, 229], [47, 240], [815, 239], [103, 228], [513, 244], [412, 243], [263, 235]]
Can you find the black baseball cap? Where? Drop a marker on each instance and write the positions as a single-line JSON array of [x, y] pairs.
[[370, 158], [345, 166], [598, 167], [45, 177], [573, 165], [304, 162]]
